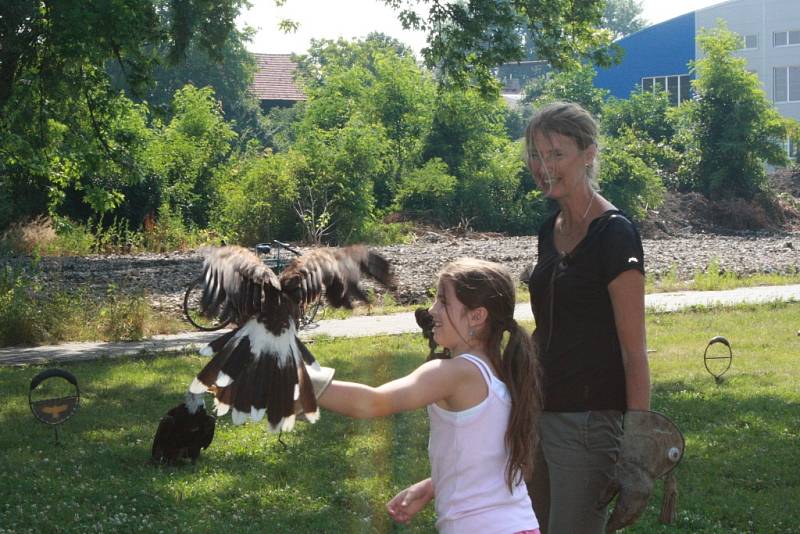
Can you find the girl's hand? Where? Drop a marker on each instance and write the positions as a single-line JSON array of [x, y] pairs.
[[405, 505]]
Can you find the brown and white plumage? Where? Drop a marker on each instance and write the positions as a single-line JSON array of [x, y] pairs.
[[260, 368]]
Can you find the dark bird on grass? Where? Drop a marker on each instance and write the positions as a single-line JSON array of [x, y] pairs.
[[261, 368], [425, 322], [185, 430]]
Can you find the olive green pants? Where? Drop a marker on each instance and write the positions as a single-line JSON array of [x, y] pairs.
[[574, 462]]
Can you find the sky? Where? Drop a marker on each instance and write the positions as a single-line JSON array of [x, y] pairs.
[[332, 19]]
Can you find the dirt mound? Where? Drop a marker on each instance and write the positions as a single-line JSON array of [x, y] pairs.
[[686, 213]]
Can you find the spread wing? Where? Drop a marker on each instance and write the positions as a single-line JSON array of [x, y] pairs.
[[260, 369], [234, 277], [336, 272]]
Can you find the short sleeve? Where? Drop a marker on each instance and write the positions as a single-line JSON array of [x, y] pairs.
[[621, 248]]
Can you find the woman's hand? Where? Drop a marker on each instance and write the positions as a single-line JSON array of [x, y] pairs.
[[405, 505]]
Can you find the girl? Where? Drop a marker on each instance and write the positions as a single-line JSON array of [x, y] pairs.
[[482, 405]]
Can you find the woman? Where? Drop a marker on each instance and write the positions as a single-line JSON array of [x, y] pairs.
[[587, 295]]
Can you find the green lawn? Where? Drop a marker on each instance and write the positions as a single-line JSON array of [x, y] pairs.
[[741, 471]]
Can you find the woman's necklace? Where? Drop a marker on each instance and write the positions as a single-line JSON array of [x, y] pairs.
[[585, 213]]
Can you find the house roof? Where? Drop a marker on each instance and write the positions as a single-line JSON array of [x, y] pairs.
[[274, 78]]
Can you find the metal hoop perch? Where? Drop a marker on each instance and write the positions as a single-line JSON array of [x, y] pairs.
[[54, 411], [729, 357]]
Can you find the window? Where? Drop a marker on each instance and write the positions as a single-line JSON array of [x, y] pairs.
[[677, 86], [750, 42], [787, 38], [786, 84], [792, 149]]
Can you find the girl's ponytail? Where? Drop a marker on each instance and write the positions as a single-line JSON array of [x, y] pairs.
[[520, 371]]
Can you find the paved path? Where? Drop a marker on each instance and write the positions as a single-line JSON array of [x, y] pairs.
[[368, 326]]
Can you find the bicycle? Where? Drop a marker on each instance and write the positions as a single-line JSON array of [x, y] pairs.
[[271, 256]]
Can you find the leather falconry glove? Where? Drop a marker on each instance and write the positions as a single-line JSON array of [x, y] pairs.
[[651, 448], [321, 378]]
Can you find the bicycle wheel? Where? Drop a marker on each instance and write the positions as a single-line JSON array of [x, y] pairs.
[[309, 313], [191, 309]]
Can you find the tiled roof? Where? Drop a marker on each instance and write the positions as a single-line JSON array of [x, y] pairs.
[[274, 78]]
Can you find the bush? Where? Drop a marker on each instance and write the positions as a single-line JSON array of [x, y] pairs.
[[29, 237], [736, 126], [627, 181], [574, 85], [376, 231], [428, 192], [642, 111], [256, 195]]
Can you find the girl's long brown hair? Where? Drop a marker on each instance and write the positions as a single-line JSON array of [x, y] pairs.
[[480, 283]]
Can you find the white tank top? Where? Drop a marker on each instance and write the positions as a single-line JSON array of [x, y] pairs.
[[468, 458]]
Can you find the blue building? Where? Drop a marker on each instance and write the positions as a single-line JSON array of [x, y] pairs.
[[658, 56]]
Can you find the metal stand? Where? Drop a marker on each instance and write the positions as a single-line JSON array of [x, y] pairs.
[[729, 358]]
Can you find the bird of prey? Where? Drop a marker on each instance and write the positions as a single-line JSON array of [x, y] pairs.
[[261, 368], [181, 433], [425, 322]]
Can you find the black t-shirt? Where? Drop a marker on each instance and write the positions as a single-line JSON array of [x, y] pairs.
[[575, 329]]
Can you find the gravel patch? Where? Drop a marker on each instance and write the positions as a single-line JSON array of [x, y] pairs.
[[164, 277]]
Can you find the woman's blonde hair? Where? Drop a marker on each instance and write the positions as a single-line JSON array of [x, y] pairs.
[[478, 283]]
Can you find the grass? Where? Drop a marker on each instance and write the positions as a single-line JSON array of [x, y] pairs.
[[31, 314], [714, 278], [739, 474]]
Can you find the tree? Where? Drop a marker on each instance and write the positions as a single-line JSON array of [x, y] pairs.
[[185, 153], [228, 71], [573, 85], [63, 133], [623, 17], [378, 80], [51, 38], [467, 39], [736, 127], [643, 111]]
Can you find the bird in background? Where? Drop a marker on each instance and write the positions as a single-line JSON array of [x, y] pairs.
[[261, 368]]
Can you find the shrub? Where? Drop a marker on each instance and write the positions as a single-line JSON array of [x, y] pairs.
[[736, 126], [256, 197], [427, 192], [32, 236], [643, 111], [627, 181]]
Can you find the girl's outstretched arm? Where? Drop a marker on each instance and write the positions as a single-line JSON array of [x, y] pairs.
[[430, 382]]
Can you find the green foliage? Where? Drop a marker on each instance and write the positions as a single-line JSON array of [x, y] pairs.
[[623, 17], [185, 153], [365, 124], [379, 232], [31, 314], [644, 112], [626, 180], [468, 39], [492, 185], [67, 138], [573, 85], [256, 193], [228, 71], [737, 129], [378, 80], [428, 192]]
